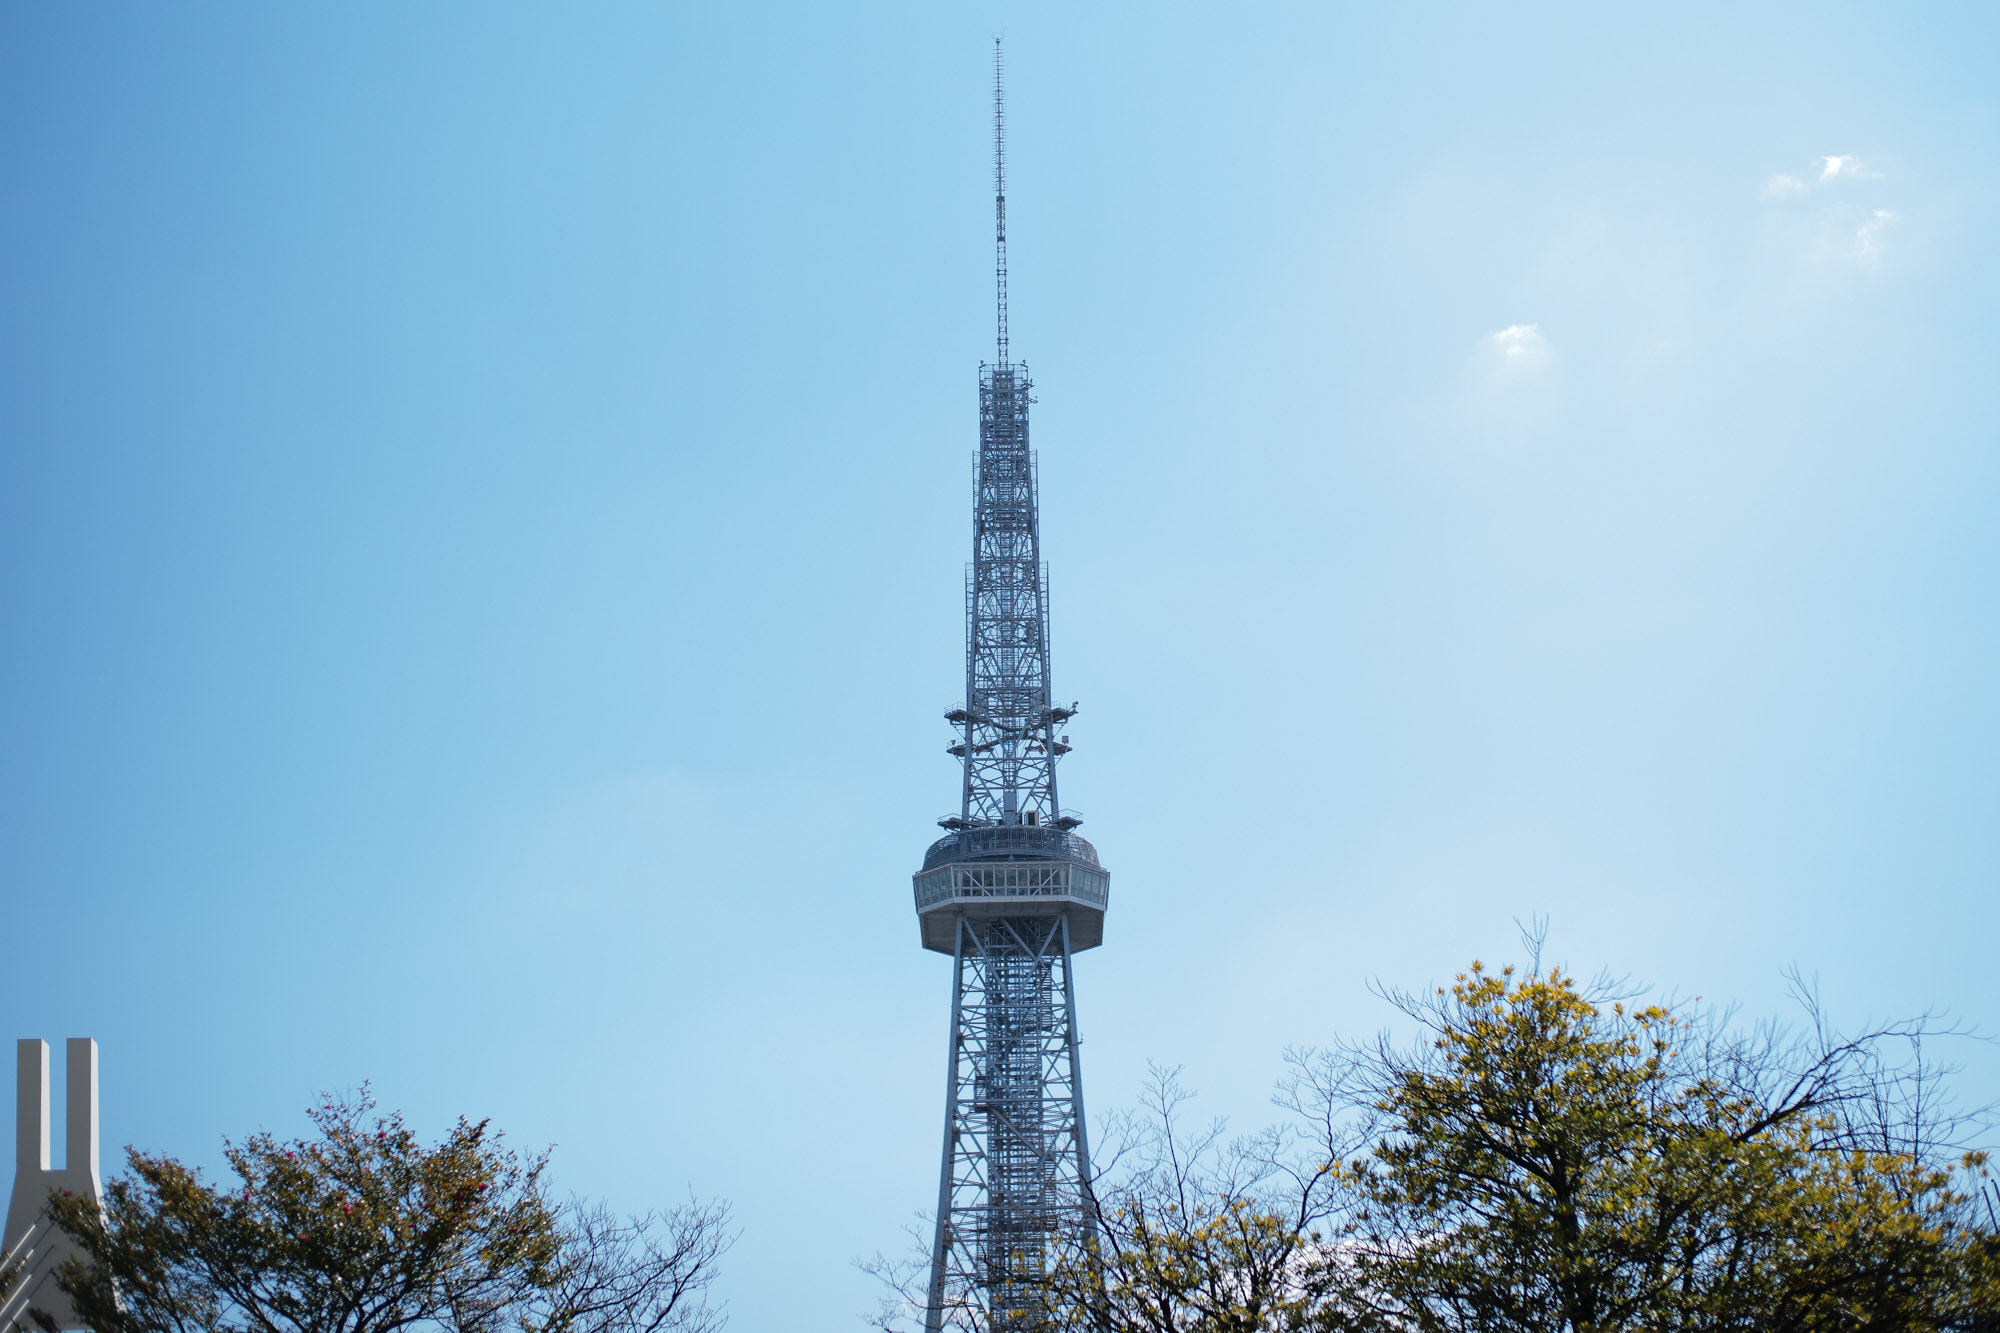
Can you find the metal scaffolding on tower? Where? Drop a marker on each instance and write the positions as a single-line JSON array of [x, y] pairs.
[[1011, 892]]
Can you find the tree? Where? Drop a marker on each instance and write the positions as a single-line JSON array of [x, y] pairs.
[[1561, 1158], [1551, 1157], [1186, 1232], [362, 1229], [638, 1274], [1181, 1231]]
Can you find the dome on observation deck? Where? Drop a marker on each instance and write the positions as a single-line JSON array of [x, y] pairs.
[[1011, 870], [1012, 842]]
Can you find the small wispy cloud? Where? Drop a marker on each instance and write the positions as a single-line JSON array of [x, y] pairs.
[[1832, 217], [1868, 238], [1848, 238], [1844, 166], [1518, 378], [1833, 169], [1520, 345]]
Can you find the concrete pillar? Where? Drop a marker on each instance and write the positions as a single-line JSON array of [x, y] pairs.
[[80, 1114], [32, 1240], [31, 1109]]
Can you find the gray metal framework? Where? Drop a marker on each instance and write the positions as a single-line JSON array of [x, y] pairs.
[[1011, 892]]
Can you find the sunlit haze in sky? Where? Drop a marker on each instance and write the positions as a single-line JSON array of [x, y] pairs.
[[484, 493]]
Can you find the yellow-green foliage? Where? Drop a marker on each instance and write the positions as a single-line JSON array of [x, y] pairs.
[[1548, 1157], [359, 1229], [1557, 1163], [1189, 1234]]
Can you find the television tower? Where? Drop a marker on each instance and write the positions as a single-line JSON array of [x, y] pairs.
[[1011, 892]]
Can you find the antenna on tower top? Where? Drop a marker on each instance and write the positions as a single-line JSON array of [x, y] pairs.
[[1000, 191]]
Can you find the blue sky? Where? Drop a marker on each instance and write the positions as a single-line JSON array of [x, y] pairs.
[[484, 491]]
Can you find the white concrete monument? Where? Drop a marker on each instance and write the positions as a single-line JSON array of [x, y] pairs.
[[32, 1240]]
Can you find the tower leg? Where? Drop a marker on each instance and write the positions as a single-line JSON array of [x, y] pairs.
[[1084, 1194], [941, 1243]]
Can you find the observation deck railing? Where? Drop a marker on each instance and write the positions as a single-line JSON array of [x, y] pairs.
[[962, 882]]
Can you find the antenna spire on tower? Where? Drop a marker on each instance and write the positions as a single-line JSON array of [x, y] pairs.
[[1000, 191]]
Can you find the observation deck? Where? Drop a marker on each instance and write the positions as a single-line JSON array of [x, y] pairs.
[[1011, 870]]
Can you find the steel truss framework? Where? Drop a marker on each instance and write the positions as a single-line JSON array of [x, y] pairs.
[[1016, 1151], [1010, 893], [1008, 740]]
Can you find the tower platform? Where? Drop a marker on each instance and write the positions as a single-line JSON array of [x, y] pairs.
[[1012, 870]]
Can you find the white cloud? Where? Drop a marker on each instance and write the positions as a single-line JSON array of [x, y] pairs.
[[1834, 169], [1843, 167], [1846, 237], [1518, 377], [1868, 239], [1834, 230], [1520, 345]]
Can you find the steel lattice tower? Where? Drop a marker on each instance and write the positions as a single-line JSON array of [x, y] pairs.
[[1011, 892]]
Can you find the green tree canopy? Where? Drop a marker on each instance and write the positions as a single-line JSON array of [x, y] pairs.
[[1192, 1232], [1555, 1157], [361, 1228], [1550, 1159]]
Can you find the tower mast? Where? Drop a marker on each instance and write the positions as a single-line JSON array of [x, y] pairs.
[[1000, 192], [1011, 892]]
